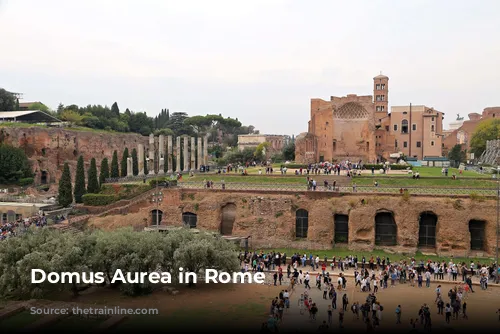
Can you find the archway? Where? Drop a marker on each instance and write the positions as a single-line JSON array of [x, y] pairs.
[[427, 230], [386, 230], [189, 219], [11, 216], [477, 234], [301, 223], [341, 223], [228, 218], [156, 216]]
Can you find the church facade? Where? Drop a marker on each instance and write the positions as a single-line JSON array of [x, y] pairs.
[[362, 128]]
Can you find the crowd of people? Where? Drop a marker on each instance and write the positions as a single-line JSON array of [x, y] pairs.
[[12, 229]]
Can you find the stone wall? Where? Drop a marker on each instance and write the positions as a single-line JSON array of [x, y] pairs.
[[270, 218], [49, 148]]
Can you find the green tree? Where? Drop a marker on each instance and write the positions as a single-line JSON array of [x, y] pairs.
[[115, 170], [260, 151], [456, 154], [93, 183], [17, 105], [104, 173], [65, 196], [39, 106], [14, 164], [289, 151], [123, 164], [79, 190], [135, 162], [115, 110], [486, 130], [7, 100]]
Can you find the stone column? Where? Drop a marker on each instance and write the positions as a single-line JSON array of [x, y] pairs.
[[151, 165], [200, 154], [186, 154], [169, 155], [193, 154], [178, 154], [205, 150], [140, 159], [161, 154], [130, 167]]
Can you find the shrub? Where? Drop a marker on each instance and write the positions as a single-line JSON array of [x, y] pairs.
[[476, 197], [163, 181], [296, 166], [393, 167], [98, 199], [26, 181]]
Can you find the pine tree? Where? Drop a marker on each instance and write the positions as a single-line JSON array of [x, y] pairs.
[[65, 196], [79, 181], [124, 162], [93, 184], [135, 162], [115, 110], [115, 170], [104, 174], [146, 171]]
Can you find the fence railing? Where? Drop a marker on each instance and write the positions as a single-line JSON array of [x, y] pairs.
[[344, 189]]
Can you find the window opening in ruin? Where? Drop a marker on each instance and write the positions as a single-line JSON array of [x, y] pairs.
[[367, 146], [334, 146], [156, 216], [228, 218], [427, 230], [189, 219], [385, 229], [404, 126], [341, 228], [301, 223], [43, 177], [43, 152], [476, 229]]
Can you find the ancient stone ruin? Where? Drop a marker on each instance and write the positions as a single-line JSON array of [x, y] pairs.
[[492, 153]]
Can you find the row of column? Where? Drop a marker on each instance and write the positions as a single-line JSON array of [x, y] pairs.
[[189, 155]]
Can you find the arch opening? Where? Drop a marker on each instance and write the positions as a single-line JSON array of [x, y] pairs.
[[386, 230], [43, 177], [189, 219], [341, 223], [477, 234], [404, 126], [228, 218], [301, 223], [156, 217], [427, 230]]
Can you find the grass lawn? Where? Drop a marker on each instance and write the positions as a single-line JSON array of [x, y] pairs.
[[20, 125], [409, 182], [343, 252], [236, 178]]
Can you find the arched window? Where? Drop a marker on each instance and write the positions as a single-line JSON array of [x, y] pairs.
[[156, 216], [228, 218], [386, 231], [341, 228], [189, 219], [301, 223], [404, 126], [476, 229], [427, 230]]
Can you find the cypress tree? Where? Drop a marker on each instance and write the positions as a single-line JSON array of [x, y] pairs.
[[65, 196], [115, 170], [79, 181], [93, 184], [104, 174], [146, 171], [135, 162], [124, 162]]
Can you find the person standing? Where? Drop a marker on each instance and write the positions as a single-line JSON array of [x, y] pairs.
[[345, 302], [330, 314], [398, 314], [448, 313]]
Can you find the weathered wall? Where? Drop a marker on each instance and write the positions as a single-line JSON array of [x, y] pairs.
[[270, 218], [48, 149]]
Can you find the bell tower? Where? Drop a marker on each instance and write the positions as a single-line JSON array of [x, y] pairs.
[[381, 94]]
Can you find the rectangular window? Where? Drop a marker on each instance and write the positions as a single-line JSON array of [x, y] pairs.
[[377, 87], [414, 127], [378, 97], [396, 143], [382, 108], [432, 143], [419, 144], [432, 128], [378, 108], [395, 127], [405, 144], [432, 119], [382, 97], [387, 128], [382, 86]]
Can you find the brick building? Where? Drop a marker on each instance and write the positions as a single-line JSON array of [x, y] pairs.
[[276, 142], [361, 128]]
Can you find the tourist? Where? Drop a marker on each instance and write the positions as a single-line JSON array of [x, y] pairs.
[[398, 314]]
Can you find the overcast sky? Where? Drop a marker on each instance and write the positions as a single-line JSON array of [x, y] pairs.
[[260, 60]]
